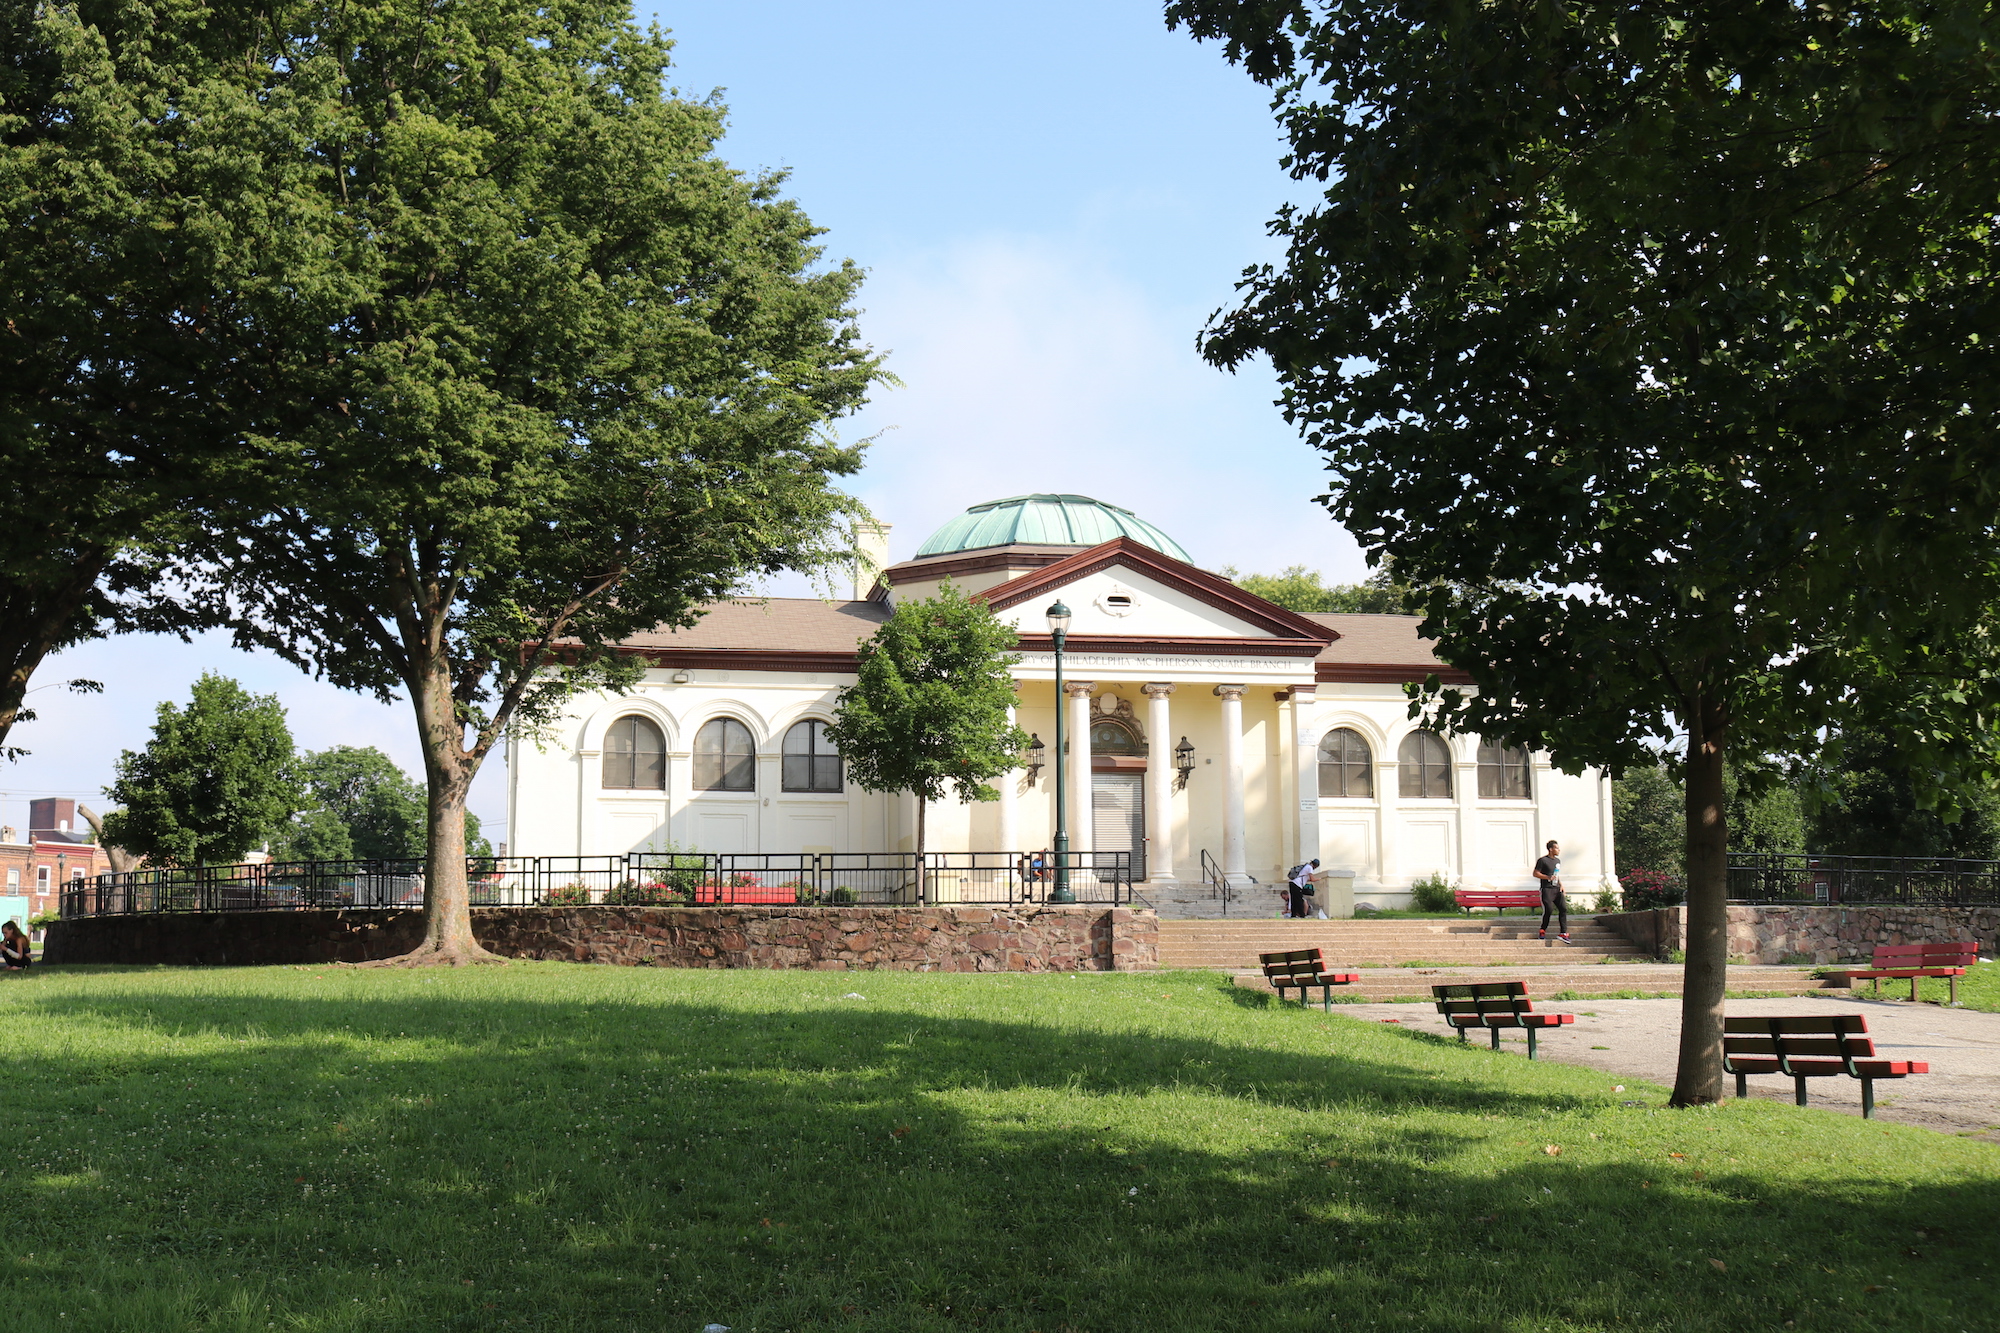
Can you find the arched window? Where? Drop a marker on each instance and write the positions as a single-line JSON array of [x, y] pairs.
[[1426, 766], [810, 761], [1108, 735], [1503, 773], [1346, 766], [724, 757], [635, 755]]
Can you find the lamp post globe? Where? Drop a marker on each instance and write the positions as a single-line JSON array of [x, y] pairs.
[[1058, 615]]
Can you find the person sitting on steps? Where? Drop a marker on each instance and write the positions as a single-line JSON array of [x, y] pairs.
[[1548, 870]]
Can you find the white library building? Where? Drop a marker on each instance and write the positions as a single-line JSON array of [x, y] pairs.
[[1228, 738]]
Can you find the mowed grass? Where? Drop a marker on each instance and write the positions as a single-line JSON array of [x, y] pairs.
[[1978, 989], [552, 1146]]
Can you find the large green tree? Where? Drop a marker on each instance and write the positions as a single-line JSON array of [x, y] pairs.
[[1870, 806], [216, 780], [360, 805], [1297, 588], [555, 374], [927, 713], [149, 224], [1657, 342]]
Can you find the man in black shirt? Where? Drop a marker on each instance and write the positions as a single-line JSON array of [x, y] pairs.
[[1549, 871]]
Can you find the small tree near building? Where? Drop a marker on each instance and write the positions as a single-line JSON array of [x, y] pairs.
[[215, 781], [928, 714], [361, 806]]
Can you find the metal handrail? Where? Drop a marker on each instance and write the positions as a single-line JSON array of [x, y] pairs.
[[1211, 875]]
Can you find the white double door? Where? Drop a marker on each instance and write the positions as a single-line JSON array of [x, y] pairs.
[[1118, 816]]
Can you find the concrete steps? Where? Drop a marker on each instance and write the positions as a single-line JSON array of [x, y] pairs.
[[1234, 945], [1606, 981]]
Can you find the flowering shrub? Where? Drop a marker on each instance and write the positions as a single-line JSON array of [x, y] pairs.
[[1646, 889], [572, 894], [653, 893]]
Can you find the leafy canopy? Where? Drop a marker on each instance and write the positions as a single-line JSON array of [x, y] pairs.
[[1300, 589], [928, 711], [360, 805], [215, 781]]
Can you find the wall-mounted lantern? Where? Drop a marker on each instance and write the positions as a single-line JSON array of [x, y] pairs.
[[1183, 763], [1032, 757]]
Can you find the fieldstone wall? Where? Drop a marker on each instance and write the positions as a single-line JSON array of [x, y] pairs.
[[1781, 934], [905, 939]]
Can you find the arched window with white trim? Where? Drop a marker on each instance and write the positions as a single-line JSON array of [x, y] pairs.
[[811, 763], [1503, 773], [1424, 762], [725, 757], [1346, 764], [635, 755]]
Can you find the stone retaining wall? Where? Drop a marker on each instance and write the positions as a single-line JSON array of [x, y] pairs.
[[1786, 934], [906, 939]]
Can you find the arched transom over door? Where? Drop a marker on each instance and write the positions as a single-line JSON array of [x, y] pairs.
[[635, 755], [1346, 764], [725, 757], [1424, 766]]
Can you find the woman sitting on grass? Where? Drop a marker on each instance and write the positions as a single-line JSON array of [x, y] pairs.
[[14, 952]]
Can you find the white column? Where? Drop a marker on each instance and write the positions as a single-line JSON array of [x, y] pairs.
[[1465, 780], [1607, 858], [1235, 867], [1010, 783], [1305, 767], [1159, 784], [589, 782], [1076, 731]]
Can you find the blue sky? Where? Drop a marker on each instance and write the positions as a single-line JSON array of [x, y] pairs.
[[1049, 200]]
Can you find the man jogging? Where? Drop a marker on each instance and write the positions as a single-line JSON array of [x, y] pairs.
[[1549, 871]]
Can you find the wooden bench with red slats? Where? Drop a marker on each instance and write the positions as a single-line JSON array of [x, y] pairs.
[[1303, 968], [1501, 898], [1801, 1047], [1935, 959], [1494, 1005]]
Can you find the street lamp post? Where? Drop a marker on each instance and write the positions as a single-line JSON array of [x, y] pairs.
[[1058, 615]]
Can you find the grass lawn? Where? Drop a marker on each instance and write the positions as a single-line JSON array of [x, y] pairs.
[[551, 1146]]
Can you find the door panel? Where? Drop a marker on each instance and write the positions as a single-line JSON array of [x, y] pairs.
[[1118, 816]]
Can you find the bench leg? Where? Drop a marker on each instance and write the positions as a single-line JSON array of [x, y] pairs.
[[1495, 1033], [1953, 983], [1531, 1043], [1326, 997], [1742, 1086], [1800, 1095], [1913, 990], [1461, 1032], [1867, 1099]]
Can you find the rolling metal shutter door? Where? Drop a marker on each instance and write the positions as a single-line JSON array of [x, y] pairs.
[[1118, 815]]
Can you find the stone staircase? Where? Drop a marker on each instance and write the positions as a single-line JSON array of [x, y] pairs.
[[1403, 959]]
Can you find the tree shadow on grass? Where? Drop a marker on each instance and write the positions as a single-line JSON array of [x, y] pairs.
[[609, 1165]]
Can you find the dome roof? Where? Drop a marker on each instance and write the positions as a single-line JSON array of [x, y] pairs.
[[1047, 520]]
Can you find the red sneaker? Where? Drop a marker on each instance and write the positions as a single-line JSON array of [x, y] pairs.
[[1563, 938], [1541, 934]]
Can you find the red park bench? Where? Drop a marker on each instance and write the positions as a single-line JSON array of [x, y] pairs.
[[1303, 968], [1801, 1048], [1918, 960], [1500, 898], [1494, 1005]]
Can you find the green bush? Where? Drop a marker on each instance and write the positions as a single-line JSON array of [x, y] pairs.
[[843, 897], [1432, 893], [652, 893], [573, 894]]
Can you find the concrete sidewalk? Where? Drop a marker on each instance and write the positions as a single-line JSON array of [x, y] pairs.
[[1639, 1039]]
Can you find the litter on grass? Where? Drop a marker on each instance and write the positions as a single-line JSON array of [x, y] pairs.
[[851, 995]]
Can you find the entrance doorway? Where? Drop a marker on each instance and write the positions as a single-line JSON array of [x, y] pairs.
[[1118, 816]]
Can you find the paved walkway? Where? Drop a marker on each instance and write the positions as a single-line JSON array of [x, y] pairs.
[[1639, 1039]]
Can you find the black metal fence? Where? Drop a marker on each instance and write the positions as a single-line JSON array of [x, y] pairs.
[[665, 879], [1863, 880]]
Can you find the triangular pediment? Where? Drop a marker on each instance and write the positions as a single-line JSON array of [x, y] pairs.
[[1125, 590]]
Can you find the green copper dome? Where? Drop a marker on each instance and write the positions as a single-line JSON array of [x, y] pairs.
[[1046, 520]]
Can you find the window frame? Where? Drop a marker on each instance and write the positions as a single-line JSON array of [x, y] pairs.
[[1498, 765], [627, 760], [1345, 766], [1405, 763], [722, 756], [816, 755]]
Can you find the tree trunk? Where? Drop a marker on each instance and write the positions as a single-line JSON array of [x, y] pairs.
[[33, 620], [921, 886], [1699, 1081], [448, 772]]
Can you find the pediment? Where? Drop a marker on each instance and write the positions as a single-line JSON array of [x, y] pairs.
[[1124, 590]]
